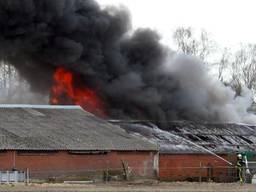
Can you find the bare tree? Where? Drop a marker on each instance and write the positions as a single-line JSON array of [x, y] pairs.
[[243, 69], [188, 44], [223, 64], [185, 41], [7, 75], [8, 79]]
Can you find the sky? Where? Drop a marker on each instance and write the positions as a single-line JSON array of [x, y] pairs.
[[229, 22]]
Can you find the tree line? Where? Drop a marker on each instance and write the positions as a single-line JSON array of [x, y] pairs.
[[235, 68]]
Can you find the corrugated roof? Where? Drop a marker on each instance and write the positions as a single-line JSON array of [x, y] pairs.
[[191, 137], [28, 127]]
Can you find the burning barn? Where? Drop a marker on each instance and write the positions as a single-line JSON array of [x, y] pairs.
[[198, 151], [68, 142], [75, 52]]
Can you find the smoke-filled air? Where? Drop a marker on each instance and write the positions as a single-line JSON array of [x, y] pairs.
[[76, 52]]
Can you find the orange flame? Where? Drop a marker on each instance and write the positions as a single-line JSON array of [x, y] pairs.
[[64, 92]]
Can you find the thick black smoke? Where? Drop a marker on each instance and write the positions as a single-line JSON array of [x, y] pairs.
[[125, 69]]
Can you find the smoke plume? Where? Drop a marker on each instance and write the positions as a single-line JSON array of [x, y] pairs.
[[134, 75]]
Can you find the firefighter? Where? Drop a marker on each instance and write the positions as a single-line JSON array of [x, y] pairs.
[[241, 167]]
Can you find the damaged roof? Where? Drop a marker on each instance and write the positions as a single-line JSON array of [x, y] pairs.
[[43, 127], [191, 137]]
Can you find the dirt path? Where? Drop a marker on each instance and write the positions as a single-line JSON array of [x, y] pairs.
[[114, 187]]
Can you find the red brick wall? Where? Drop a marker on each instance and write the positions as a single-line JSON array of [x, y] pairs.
[[187, 167], [63, 163]]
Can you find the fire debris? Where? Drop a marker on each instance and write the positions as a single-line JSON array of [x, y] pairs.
[[220, 138]]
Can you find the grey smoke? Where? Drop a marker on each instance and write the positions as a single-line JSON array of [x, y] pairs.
[[134, 74], [205, 98]]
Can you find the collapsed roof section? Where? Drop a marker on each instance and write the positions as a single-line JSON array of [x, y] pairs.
[[191, 137]]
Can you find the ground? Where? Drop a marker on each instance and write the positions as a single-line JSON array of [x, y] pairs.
[[128, 187]]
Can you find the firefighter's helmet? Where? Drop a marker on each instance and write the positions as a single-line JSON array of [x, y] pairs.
[[239, 156]]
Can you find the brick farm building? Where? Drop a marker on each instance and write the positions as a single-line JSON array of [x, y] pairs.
[[187, 149], [68, 142]]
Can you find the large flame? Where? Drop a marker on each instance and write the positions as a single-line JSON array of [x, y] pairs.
[[64, 91]]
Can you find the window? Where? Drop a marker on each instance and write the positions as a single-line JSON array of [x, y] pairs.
[[36, 152], [82, 152]]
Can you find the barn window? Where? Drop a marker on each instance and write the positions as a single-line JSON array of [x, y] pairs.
[[81, 152], [3, 151], [36, 152]]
